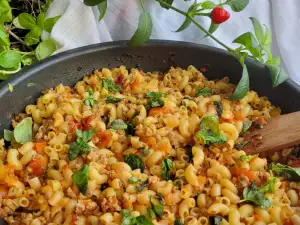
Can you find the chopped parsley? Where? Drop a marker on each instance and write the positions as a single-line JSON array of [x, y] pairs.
[[110, 85], [155, 99], [89, 100]]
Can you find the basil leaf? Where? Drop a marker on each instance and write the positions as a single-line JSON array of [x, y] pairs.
[[144, 30], [269, 186], [209, 138], [8, 135], [102, 9], [80, 178], [166, 168], [243, 86], [246, 125], [129, 219], [208, 5], [4, 40], [109, 85], [256, 196], [142, 220], [246, 157], [45, 49], [241, 145], [179, 221], [151, 213], [215, 220], [134, 162], [26, 20], [118, 125], [259, 33], [219, 108], [203, 92], [80, 146], [5, 12], [237, 5], [111, 99], [158, 209], [49, 23], [170, 2], [89, 100], [126, 217], [10, 59], [155, 99], [92, 2], [33, 37], [134, 180], [278, 75], [84, 136], [250, 42], [40, 20], [23, 131], [292, 174], [130, 128]]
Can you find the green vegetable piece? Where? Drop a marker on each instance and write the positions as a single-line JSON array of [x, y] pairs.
[[141, 186], [243, 86], [179, 221], [27, 21], [33, 37], [144, 30], [102, 9], [278, 75], [215, 220], [151, 213], [241, 145], [269, 186], [219, 108], [92, 2], [80, 178], [256, 196], [8, 135], [130, 128], [23, 131], [157, 208], [118, 125], [203, 92], [109, 85], [155, 99], [111, 99], [10, 59], [45, 49], [84, 136], [246, 125], [237, 5], [129, 219], [134, 180], [209, 131], [89, 100], [292, 174], [167, 166], [246, 157], [134, 162], [49, 23]]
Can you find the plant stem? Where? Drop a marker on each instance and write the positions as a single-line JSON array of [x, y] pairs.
[[197, 24], [19, 40], [202, 14], [142, 5]]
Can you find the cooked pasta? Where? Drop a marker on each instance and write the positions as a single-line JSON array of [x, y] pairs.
[[126, 146]]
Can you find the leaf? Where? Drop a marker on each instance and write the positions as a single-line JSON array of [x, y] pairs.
[[142, 186], [4, 40], [8, 135], [23, 131], [179, 221], [241, 145], [249, 41], [246, 125], [243, 86], [269, 186], [10, 87], [89, 100], [134, 180], [10, 59], [167, 166], [246, 158], [126, 217], [92, 2], [49, 23], [219, 107], [144, 30], [259, 33], [129, 219], [118, 125], [278, 75], [109, 85], [170, 2], [102, 9], [213, 27], [5, 12], [151, 213], [80, 146], [80, 178], [112, 99], [208, 5], [84, 136], [155, 99], [268, 37], [33, 37], [130, 128], [45, 49], [254, 195], [27, 21], [157, 208], [191, 11], [237, 5], [292, 174], [40, 21], [134, 162], [203, 92]]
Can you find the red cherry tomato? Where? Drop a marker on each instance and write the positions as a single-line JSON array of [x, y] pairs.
[[219, 15]]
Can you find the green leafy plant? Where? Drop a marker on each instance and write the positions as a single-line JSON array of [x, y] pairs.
[[290, 173], [80, 178], [134, 162]]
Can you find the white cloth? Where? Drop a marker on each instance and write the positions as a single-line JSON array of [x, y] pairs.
[[79, 25]]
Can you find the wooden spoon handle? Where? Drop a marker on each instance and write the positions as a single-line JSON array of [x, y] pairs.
[[279, 133]]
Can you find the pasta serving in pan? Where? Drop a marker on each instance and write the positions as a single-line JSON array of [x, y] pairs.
[[131, 148]]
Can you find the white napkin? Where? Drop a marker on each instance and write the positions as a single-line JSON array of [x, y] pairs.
[[79, 25]]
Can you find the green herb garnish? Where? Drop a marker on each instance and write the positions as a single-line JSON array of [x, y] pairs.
[[89, 100], [111, 99], [134, 162], [240, 145], [203, 92], [129, 219], [166, 168], [80, 178], [246, 125], [23, 131], [118, 125], [292, 174], [155, 99], [134, 180], [219, 108], [109, 85]]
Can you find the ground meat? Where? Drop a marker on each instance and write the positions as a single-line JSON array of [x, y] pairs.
[[111, 204], [46, 127]]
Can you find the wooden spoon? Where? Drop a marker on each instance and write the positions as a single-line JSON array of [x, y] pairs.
[[279, 133]]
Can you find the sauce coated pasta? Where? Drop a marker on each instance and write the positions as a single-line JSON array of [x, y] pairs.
[[129, 147]]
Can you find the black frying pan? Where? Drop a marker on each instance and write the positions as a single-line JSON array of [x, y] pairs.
[[71, 66]]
